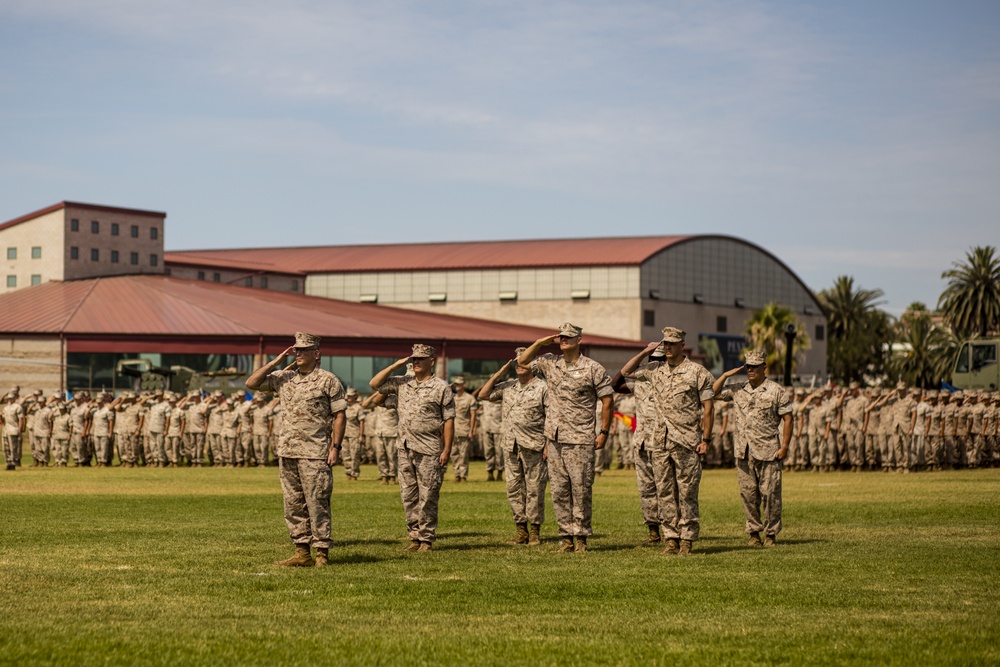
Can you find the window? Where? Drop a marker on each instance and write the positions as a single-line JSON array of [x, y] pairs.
[[216, 277], [263, 282], [36, 279], [154, 233], [249, 281], [154, 260], [74, 225], [962, 366], [36, 252], [114, 256], [983, 355], [295, 285], [74, 252], [114, 229], [95, 227], [820, 332], [11, 281], [721, 324], [134, 259], [135, 231], [95, 255], [648, 318], [201, 275], [11, 253]]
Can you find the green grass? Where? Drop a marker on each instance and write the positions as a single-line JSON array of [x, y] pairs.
[[136, 566]]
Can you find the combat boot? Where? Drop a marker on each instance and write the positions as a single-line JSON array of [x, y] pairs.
[[685, 548], [412, 547], [534, 535], [424, 546], [302, 558], [489, 476], [769, 541], [322, 557], [522, 534], [566, 546], [673, 546], [581, 544], [755, 540], [654, 533]]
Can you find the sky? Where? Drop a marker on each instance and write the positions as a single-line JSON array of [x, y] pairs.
[[846, 137]]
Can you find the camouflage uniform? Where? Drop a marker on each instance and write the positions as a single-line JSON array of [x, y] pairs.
[[172, 436], [678, 392], [197, 424], [260, 423], [759, 417], [156, 425], [311, 403], [126, 423], [230, 433], [352, 440], [244, 437], [62, 425], [623, 432], [900, 433], [213, 436], [465, 406], [570, 424], [962, 415], [101, 431], [854, 420], [386, 432], [522, 440], [42, 435], [490, 426], [423, 408], [949, 417], [918, 444], [647, 426]]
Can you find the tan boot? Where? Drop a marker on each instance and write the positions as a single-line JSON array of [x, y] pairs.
[[755, 540], [413, 546], [322, 557], [522, 534], [489, 476], [534, 535], [673, 546], [769, 541], [302, 558], [581, 545], [424, 546], [686, 546], [566, 546], [654, 533]]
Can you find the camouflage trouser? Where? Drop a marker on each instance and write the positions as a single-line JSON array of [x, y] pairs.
[[352, 456], [195, 448], [260, 449], [154, 448], [918, 450], [60, 451], [872, 449], [832, 449], [172, 445], [229, 449], [420, 478], [623, 444], [80, 448], [798, 453], [855, 447], [460, 456], [527, 474], [885, 450], [817, 444], [647, 485], [244, 447], [103, 451], [40, 448], [385, 455], [977, 445], [126, 447], [213, 443], [571, 471], [760, 485], [677, 473], [10, 449], [491, 450], [899, 445], [602, 456], [306, 485]]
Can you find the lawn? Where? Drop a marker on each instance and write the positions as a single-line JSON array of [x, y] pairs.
[[175, 566]]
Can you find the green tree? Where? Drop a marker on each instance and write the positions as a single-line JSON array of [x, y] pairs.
[[858, 330], [925, 349], [766, 331], [971, 301]]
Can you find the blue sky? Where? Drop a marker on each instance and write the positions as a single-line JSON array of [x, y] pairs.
[[846, 137]]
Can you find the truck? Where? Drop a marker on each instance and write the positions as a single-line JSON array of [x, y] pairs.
[[976, 365]]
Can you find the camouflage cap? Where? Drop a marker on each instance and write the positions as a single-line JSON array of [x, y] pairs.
[[854, 385], [957, 394], [458, 379], [673, 335], [14, 391], [569, 330], [931, 393], [218, 394], [659, 351], [754, 357], [901, 385], [305, 340], [38, 392], [421, 351], [351, 391], [519, 351]]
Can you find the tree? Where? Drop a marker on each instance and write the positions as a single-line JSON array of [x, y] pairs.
[[924, 350], [766, 331], [858, 330], [971, 301]]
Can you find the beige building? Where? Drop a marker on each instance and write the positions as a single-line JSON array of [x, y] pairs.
[[71, 240]]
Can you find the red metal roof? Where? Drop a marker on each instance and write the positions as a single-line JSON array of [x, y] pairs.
[[74, 204], [618, 251], [163, 306]]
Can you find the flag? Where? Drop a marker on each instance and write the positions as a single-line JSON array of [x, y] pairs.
[[625, 419]]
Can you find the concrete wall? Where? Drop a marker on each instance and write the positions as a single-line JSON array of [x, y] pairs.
[[45, 233], [148, 250], [31, 363]]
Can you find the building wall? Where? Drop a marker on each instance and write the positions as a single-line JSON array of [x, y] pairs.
[[44, 233], [135, 254], [282, 283], [31, 363]]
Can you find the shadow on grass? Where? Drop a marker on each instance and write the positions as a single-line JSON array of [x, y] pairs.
[[356, 559]]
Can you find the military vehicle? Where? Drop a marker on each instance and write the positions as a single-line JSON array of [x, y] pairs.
[[976, 365], [144, 376]]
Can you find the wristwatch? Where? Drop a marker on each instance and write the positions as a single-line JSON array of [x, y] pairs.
[[337, 447], [604, 431]]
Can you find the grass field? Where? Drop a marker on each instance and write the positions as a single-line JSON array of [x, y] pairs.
[[174, 567]]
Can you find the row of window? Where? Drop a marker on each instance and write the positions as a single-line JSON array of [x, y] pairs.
[[248, 281], [36, 252], [95, 256], [36, 279], [95, 228]]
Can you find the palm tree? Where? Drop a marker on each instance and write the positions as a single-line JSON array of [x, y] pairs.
[[925, 349], [971, 301], [858, 330], [765, 330]]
